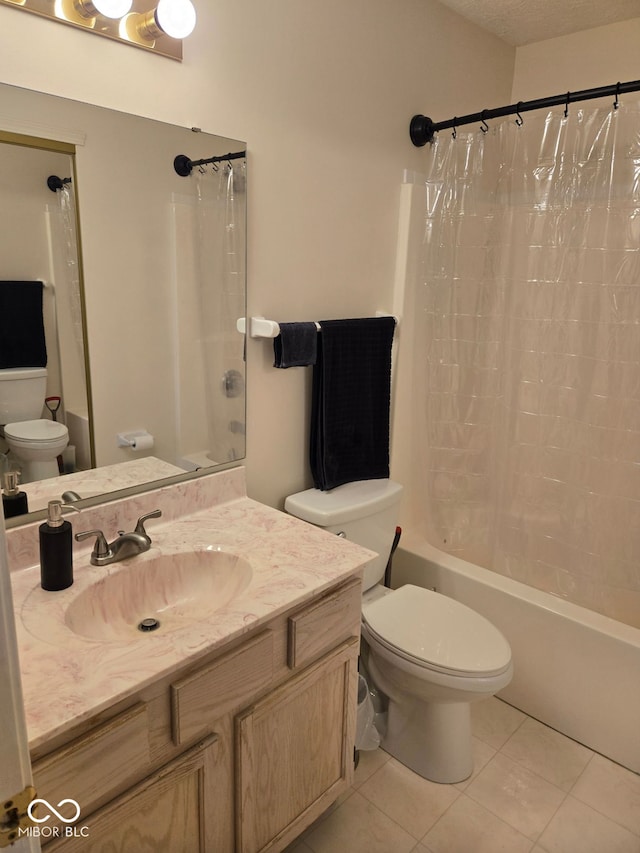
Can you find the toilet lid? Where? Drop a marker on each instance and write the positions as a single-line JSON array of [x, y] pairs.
[[438, 632], [38, 430]]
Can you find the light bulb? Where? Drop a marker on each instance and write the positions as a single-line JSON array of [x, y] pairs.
[[176, 18], [112, 8]]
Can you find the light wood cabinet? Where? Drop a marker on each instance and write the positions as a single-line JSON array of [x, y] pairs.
[[237, 754], [169, 810], [294, 752]]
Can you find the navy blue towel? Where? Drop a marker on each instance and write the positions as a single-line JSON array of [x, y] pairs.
[[296, 345], [22, 342], [350, 405]]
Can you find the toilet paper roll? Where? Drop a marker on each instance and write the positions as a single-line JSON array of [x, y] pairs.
[[142, 442]]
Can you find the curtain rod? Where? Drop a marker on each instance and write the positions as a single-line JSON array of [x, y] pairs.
[[422, 129], [183, 165]]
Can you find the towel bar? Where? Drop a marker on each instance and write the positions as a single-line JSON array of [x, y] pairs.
[[259, 327]]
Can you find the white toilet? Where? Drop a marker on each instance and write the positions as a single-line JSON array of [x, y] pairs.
[[429, 654], [35, 441]]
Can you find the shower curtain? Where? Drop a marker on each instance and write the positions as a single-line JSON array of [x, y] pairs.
[[221, 211], [528, 352]]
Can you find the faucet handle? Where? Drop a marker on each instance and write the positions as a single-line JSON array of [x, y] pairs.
[[140, 525], [101, 548]]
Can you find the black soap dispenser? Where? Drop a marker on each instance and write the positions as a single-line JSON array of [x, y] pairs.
[[14, 502], [56, 550]]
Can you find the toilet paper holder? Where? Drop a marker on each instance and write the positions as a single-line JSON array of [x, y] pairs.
[[136, 440]]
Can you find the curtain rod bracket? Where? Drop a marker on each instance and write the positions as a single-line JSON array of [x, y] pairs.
[[421, 130]]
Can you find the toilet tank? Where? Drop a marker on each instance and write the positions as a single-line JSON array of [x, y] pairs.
[[22, 393], [365, 511]]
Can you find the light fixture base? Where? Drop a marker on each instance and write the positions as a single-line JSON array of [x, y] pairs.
[[68, 13]]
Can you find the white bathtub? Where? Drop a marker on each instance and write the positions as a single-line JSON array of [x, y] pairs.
[[575, 670]]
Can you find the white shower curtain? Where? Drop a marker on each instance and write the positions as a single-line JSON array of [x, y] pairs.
[[221, 246], [528, 352]]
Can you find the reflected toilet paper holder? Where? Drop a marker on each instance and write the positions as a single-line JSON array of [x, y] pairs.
[[136, 439]]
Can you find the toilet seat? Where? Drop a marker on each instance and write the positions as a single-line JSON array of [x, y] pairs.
[[437, 633], [34, 432]]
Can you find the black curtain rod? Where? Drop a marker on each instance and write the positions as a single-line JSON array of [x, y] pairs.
[[422, 129], [183, 165]]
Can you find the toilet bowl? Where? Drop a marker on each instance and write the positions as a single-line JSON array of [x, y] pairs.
[[429, 654], [432, 657], [37, 445]]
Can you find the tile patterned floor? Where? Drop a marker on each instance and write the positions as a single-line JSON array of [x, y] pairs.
[[533, 790]]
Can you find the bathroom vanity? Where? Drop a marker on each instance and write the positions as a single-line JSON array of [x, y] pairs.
[[231, 731]]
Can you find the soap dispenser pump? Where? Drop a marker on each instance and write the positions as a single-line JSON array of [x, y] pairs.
[[14, 502], [56, 550]]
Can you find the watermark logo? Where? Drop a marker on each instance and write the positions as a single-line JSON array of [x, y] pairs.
[[43, 830], [34, 803]]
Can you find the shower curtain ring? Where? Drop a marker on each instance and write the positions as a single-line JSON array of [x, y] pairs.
[[616, 103], [454, 132], [519, 119], [484, 127], [566, 106]]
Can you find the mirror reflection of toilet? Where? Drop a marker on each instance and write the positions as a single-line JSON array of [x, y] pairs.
[[36, 442], [429, 654]]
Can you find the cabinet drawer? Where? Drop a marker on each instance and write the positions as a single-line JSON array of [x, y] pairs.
[[230, 682], [322, 625], [95, 764]]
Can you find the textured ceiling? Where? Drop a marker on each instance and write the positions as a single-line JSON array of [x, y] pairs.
[[521, 22]]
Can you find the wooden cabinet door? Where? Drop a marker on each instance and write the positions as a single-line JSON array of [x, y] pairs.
[[172, 810], [294, 752]]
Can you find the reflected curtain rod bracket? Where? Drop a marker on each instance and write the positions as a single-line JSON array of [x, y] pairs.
[[55, 183], [184, 165], [422, 129]]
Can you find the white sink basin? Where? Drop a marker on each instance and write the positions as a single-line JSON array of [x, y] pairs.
[[172, 590]]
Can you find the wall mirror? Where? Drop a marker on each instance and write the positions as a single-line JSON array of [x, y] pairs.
[[144, 279]]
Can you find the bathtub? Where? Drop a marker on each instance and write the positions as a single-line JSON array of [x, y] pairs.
[[574, 670]]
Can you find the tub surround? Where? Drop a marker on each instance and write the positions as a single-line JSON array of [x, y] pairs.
[[68, 679]]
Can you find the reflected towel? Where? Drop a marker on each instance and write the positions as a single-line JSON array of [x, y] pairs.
[[296, 345], [22, 342], [350, 402]]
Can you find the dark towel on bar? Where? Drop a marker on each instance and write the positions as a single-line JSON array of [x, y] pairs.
[[22, 342], [296, 345], [350, 402]]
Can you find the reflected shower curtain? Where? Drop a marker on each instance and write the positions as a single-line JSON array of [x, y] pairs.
[[221, 211], [528, 353], [67, 206]]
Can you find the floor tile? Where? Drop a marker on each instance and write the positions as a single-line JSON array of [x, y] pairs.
[[407, 798], [521, 798], [493, 721], [482, 755], [298, 847], [612, 790], [578, 827], [467, 827], [370, 761], [555, 757], [359, 827]]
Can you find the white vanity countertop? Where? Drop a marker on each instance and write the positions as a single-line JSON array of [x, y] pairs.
[[67, 678]]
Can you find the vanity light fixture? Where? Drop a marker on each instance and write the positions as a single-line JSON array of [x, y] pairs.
[[155, 25], [86, 12], [173, 18], [86, 9]]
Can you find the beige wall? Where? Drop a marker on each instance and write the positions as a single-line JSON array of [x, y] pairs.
[[323, 93], [583, 60]]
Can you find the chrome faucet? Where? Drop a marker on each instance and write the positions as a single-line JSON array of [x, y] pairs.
[[126, 545]]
